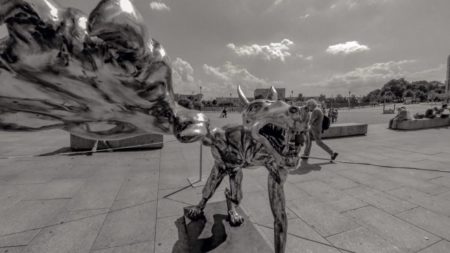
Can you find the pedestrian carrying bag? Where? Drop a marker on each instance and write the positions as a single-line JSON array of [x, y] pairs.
[[325, 123]]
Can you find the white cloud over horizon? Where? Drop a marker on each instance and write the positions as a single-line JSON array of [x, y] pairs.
[[183, 77], [273, 51], [159, 6], [363, 79], [229, 76], [348, 47]]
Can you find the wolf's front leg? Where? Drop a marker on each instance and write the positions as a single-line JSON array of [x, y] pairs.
[[278, 206], [234, 197], [215, 178]]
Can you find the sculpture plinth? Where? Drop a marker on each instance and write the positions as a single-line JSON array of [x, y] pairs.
[[213, 233]]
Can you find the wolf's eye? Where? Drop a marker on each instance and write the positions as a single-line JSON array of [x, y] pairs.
[[254, 107], [293, 110]]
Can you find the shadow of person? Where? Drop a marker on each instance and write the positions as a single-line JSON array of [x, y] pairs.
[[188, 240], [306, 167]]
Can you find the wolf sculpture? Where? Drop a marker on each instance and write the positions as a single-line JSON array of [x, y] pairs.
[[99, 76], [271, 135]]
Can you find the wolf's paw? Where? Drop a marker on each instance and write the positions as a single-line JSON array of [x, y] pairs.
[[234, 218], [194, 213]]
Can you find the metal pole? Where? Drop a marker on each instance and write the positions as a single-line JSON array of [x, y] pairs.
[[201, 162]]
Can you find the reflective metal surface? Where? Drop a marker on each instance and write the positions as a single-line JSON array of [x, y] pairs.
[[271, 135], [99, 76]]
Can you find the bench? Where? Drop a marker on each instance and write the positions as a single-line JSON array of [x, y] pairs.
[[345, 130], [145, 141], [416, 124]]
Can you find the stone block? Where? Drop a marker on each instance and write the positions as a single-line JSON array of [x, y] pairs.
[[213, 233], [344, 130], [416, 124], [145, 141]]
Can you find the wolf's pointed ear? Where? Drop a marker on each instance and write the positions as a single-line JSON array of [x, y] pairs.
[[273, 94], [118, 23], [242, 96]]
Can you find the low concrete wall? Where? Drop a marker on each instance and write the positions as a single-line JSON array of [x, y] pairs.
[[416, 124], [144, 141], [345, 129]]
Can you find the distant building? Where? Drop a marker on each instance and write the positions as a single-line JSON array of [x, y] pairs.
[[192, 97], [229, 101], [262, 93]]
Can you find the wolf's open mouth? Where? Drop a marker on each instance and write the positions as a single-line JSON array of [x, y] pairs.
[[281, 139]]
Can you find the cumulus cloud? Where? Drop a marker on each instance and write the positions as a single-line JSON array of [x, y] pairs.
[[364, 79], [228, 76], [183, 77], [159, 6], [348, 47], [272, 51]]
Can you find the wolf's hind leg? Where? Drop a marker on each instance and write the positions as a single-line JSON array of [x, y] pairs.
[[234, 197]]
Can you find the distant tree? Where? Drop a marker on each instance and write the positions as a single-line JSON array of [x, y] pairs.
[[186, 103], [300, 97], [214, 102], [322, 97]]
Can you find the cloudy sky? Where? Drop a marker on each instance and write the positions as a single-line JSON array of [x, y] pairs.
[[307, 46]]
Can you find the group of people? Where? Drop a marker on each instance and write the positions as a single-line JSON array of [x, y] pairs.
[[435, 112], [431, 113], [333, 114]]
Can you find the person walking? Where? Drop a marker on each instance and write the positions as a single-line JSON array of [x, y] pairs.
[[315, 130]]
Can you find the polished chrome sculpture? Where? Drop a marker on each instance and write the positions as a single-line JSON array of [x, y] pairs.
[[271, 135], [99, 76]]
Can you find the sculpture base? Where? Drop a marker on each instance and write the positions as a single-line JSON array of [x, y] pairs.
[[213, 233], [144, 141]]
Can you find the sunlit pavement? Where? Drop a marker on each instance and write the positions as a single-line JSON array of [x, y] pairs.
[[389, 191]]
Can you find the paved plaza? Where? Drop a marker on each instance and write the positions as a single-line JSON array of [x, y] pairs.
[[389, 191]]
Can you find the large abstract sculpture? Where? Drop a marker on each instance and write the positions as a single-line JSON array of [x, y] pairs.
[[99, 76], [271, 135]]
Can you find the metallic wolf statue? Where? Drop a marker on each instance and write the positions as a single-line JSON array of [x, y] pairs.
[[99, 76], [268, 137]]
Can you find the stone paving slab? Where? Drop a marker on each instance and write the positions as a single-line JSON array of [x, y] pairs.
[[299, 245], [324, 218], [428, 220], [379, 199], [335, 197], [128, 226], [402, 234], [430, 202], [363, 240], [73, 237]]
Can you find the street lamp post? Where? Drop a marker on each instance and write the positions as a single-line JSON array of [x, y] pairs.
[[349, 99]]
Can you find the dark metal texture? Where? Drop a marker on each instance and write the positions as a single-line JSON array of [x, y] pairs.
[[99, 76], [271, 135]]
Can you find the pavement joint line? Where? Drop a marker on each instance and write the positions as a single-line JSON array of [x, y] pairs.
[[157, 201], [443, 240], [122, 245], [88, 152], [313, 228], [14, 246], [109, 210], [307, 239], [46, 199], [79, 219], [380, 165], [354, 209]]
